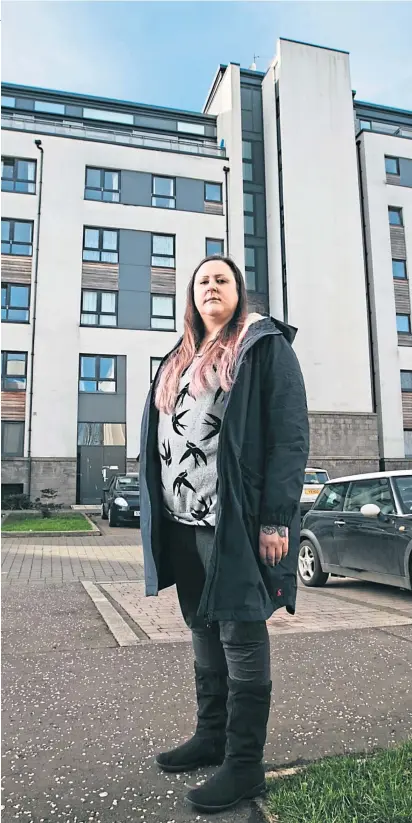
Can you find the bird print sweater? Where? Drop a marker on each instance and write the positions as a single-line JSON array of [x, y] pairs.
[[187, 442]]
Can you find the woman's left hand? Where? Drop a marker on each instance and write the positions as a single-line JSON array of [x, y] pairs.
[[273, 544]]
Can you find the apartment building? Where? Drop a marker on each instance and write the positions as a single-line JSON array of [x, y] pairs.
[[108, 206]]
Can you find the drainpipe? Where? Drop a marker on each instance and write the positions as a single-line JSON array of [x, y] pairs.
[[226, 170], [34, 316], [368, 299]]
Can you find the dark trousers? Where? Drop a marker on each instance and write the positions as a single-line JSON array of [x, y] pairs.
[[239, 648]]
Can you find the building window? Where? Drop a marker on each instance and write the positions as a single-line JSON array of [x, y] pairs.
[[213, 192], [98, 373], [395, 216], [247, 156], [163, 251], [392, 165], [191, 128], [12, 438], [406, 381], [407, 439], [101, 434], [163, 312], [99, 308], [110, 116], [48, 108], [154, 367], [403, 323], [13, 370], [214, 246], [16, 237], [101, 245], [399, 269], [102, 184], [10, 102], [18, 175], [248, 213], [15, 303], [164, 192], [250, 268], [365, 124]]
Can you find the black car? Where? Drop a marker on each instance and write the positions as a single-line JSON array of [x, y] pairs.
[[121, 500], [360, 527]]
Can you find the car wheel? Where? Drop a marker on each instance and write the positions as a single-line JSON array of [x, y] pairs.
[[112, 517], [104, 515], [309, 568]]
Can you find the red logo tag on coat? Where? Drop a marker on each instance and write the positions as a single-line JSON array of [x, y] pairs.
[[279, 593]]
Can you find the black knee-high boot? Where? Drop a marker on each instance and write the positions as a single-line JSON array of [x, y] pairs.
[[242, 775], [207, 746]]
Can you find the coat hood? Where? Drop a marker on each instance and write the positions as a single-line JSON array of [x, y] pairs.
[[257, 325]]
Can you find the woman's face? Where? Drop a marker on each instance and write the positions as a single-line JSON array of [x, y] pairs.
[[215, 292]]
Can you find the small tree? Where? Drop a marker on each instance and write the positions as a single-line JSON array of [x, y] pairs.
[[45, 504]]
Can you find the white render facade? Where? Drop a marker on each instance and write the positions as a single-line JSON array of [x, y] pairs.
[[286, 171]]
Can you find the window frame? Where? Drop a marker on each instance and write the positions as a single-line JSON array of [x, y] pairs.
[[7, 307], [15, 179], [6, 376], [399, 314], [11, 242], [214, 240], [398, 210], [363, 126], [98, 379], [249, 213], [162, 316], [164, 196], [100, 249], [365, 482], [323, 492], [247, 162], [213, 200], [251, 270], [20, 452], [171, 257], [101, 188], [98, 312], [396, 159], [407, 455], [152, 360], [403, 390], [399, 260]]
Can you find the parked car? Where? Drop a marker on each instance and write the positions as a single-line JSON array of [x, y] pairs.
[[360, 526], [314, 482], [121, 500]]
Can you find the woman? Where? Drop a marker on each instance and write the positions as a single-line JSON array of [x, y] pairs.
[[223, 454]]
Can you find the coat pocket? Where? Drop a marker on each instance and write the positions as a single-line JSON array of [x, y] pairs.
[[252, 483]]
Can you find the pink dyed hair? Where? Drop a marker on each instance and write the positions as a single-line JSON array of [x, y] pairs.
[[221, 353]]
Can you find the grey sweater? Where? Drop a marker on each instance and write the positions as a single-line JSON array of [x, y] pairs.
[[187, 442]]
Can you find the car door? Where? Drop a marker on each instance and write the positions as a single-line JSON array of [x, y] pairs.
[[321, 519], [368, 543], [110, 493]]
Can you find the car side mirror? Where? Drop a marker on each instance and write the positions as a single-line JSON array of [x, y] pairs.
[[370, 510]]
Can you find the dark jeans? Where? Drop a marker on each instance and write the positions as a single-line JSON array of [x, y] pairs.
[[239, 648]]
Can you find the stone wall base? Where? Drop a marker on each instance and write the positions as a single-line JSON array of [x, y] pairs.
[[47, 473]]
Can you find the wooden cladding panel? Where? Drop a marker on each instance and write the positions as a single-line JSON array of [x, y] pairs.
[[404, 339], [213, 208], [393, 179], [407, 409], [402, 298], [15, 268], [13, 405], [103, 276], [163, 281], [398, 246]]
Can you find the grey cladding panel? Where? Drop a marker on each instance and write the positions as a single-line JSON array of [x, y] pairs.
[[134, 310], [189, 194], [106, 408], [135, 247], [136, 188], [405, 171], [162, 124], [24, 103], [134, 278], [74, 111], [246, 98]]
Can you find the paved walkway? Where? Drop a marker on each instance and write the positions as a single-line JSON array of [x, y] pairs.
[[57, 563]]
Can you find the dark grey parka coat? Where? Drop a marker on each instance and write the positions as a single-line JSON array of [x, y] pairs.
[[262, 453]]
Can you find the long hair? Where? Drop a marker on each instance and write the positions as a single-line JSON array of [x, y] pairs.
[[220, 354]]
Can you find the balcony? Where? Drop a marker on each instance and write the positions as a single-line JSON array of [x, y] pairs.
[[109, 134]]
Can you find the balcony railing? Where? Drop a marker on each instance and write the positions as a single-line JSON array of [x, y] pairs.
[[386, 128], [109, 134]]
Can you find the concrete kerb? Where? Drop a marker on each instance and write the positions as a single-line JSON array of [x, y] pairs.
[[94, 530], [260, 802]]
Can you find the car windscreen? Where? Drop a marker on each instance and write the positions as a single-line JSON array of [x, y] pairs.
[[127, 484], [316, 478], [403, 486]]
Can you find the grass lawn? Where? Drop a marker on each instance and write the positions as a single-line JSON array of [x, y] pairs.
[[56, 523], [354, 789]]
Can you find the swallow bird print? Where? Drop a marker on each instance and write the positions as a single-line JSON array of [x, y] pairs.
[[204, 508], [181, 480], [167, 453], [184, 392], [177, 424], [214, 422], [195, 452]]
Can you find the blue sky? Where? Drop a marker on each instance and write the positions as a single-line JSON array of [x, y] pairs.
[[166, 53]]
